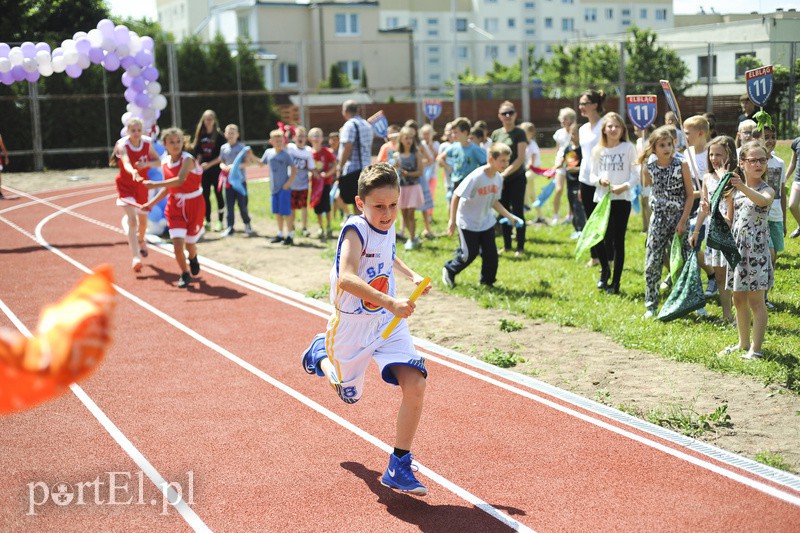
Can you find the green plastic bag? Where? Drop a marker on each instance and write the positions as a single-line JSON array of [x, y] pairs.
[[595, 229], [676, 258], [687, 295], [719, 234]]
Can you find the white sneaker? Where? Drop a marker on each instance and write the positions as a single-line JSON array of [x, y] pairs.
[[248, 229], [650, 313], [575, 235], [447, 278], [409, 245], [136, 265], [554, 222]]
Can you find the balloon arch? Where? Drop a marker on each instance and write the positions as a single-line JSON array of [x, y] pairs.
[[113, 47]]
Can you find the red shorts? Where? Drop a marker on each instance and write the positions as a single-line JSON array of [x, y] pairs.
[[127, 188], [300, 199], [185, 217]]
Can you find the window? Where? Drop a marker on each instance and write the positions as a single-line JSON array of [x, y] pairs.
[[491, 51], [433, 49], [288, 74], [626, 12], [414, 24], [703, 67], [392, 22], [490, 25], [433, 33], [243, 23], [462, 52], [433, 60], [567, 24], [512, 50], [626, 22], [512, 23], [530, 31], [740, 70], [530, 5], [435, 78], [567, 1], [352, 69], [433, 22], [461, 25], [609, 13], [661, 14], [548, 22], [590, 14], [548, 49], [643, 14], [491, 1], [530, 22], [347, 24]]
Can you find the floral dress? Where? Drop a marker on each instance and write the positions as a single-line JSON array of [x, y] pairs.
[[751, 233]]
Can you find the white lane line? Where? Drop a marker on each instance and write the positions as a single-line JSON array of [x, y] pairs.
[[141, 461], [730, 459], [37, 200], [447, 484]]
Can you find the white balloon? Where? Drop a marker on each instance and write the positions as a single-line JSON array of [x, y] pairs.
[[59, 64], [43, 57], [96, 38], [135, 43], [30, 65], [153, 88], [78, 35], [68, 44], [126, 117], [149, 114], [84, 62], [5, 65], [15, 56], [46, 70], [160, 102], [71, 56], [109, 44], [122, 50], [134, 71]]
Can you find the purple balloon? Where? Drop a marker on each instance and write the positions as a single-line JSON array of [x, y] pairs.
[[122, 35], [138, 85], [126, 79], [111, 62], [142, 99], [106, 27], [28, 49], [150, 73], [96, 55], [83, 46], [147, 43], [127, 61], [40, 47], [130, 95], [4, 50], [73, 71], [32, 76], [144, 58], [6, 78], [18, 73]]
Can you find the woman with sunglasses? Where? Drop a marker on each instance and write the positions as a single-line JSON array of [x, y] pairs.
[[513, 196], [590, 105]]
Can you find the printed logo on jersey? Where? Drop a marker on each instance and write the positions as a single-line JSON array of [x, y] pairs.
[[380, 283]]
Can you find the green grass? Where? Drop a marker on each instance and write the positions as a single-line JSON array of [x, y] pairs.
[[548, 284], [687, 421], [502, 358], [510, 326], [775, 460]]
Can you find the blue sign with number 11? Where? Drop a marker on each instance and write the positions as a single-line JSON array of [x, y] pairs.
[[642, 110]]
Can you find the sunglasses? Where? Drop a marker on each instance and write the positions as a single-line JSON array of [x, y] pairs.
[[508, 113]]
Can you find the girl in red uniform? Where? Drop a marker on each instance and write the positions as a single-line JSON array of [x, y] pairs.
[[186, 209], [134, 154]]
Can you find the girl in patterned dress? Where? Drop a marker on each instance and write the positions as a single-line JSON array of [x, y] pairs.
[[747, 212], [721, 158]]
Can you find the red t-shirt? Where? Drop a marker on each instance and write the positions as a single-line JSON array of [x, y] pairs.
[[325, 164], [171, 170]]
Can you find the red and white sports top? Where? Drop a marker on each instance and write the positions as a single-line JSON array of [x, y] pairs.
[[135, 154], [171, 170]]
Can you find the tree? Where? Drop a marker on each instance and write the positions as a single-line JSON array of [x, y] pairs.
[[647, 63], [336, 80]]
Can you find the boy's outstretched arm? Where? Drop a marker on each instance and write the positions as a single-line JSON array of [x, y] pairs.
[[409, 274]]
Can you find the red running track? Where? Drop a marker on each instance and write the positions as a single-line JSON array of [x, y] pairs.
[[204, 388]]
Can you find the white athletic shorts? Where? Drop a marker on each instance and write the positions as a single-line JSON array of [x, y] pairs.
[[352, 341]]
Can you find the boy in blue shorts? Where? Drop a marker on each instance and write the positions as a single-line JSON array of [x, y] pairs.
[[363, 293], [281, 173]]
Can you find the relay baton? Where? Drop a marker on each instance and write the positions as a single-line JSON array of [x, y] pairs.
[[414, 295]]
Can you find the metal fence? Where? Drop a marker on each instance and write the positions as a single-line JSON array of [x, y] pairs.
[[419, 70]]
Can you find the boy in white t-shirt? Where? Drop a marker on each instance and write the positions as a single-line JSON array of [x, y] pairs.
[[471, 212]]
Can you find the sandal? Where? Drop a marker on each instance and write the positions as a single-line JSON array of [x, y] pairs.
[[752, 355], [729, 350]]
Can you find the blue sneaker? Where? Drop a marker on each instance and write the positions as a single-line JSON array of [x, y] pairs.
[[399, 475], [313, 355]]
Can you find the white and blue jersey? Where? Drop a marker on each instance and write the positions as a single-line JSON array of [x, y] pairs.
[[375, 268]]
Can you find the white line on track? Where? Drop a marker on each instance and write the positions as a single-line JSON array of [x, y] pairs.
[[444, 482], [36, 200], [141, 461], [319, 309]]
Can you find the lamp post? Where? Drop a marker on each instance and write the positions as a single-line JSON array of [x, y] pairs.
[[456, 83]]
